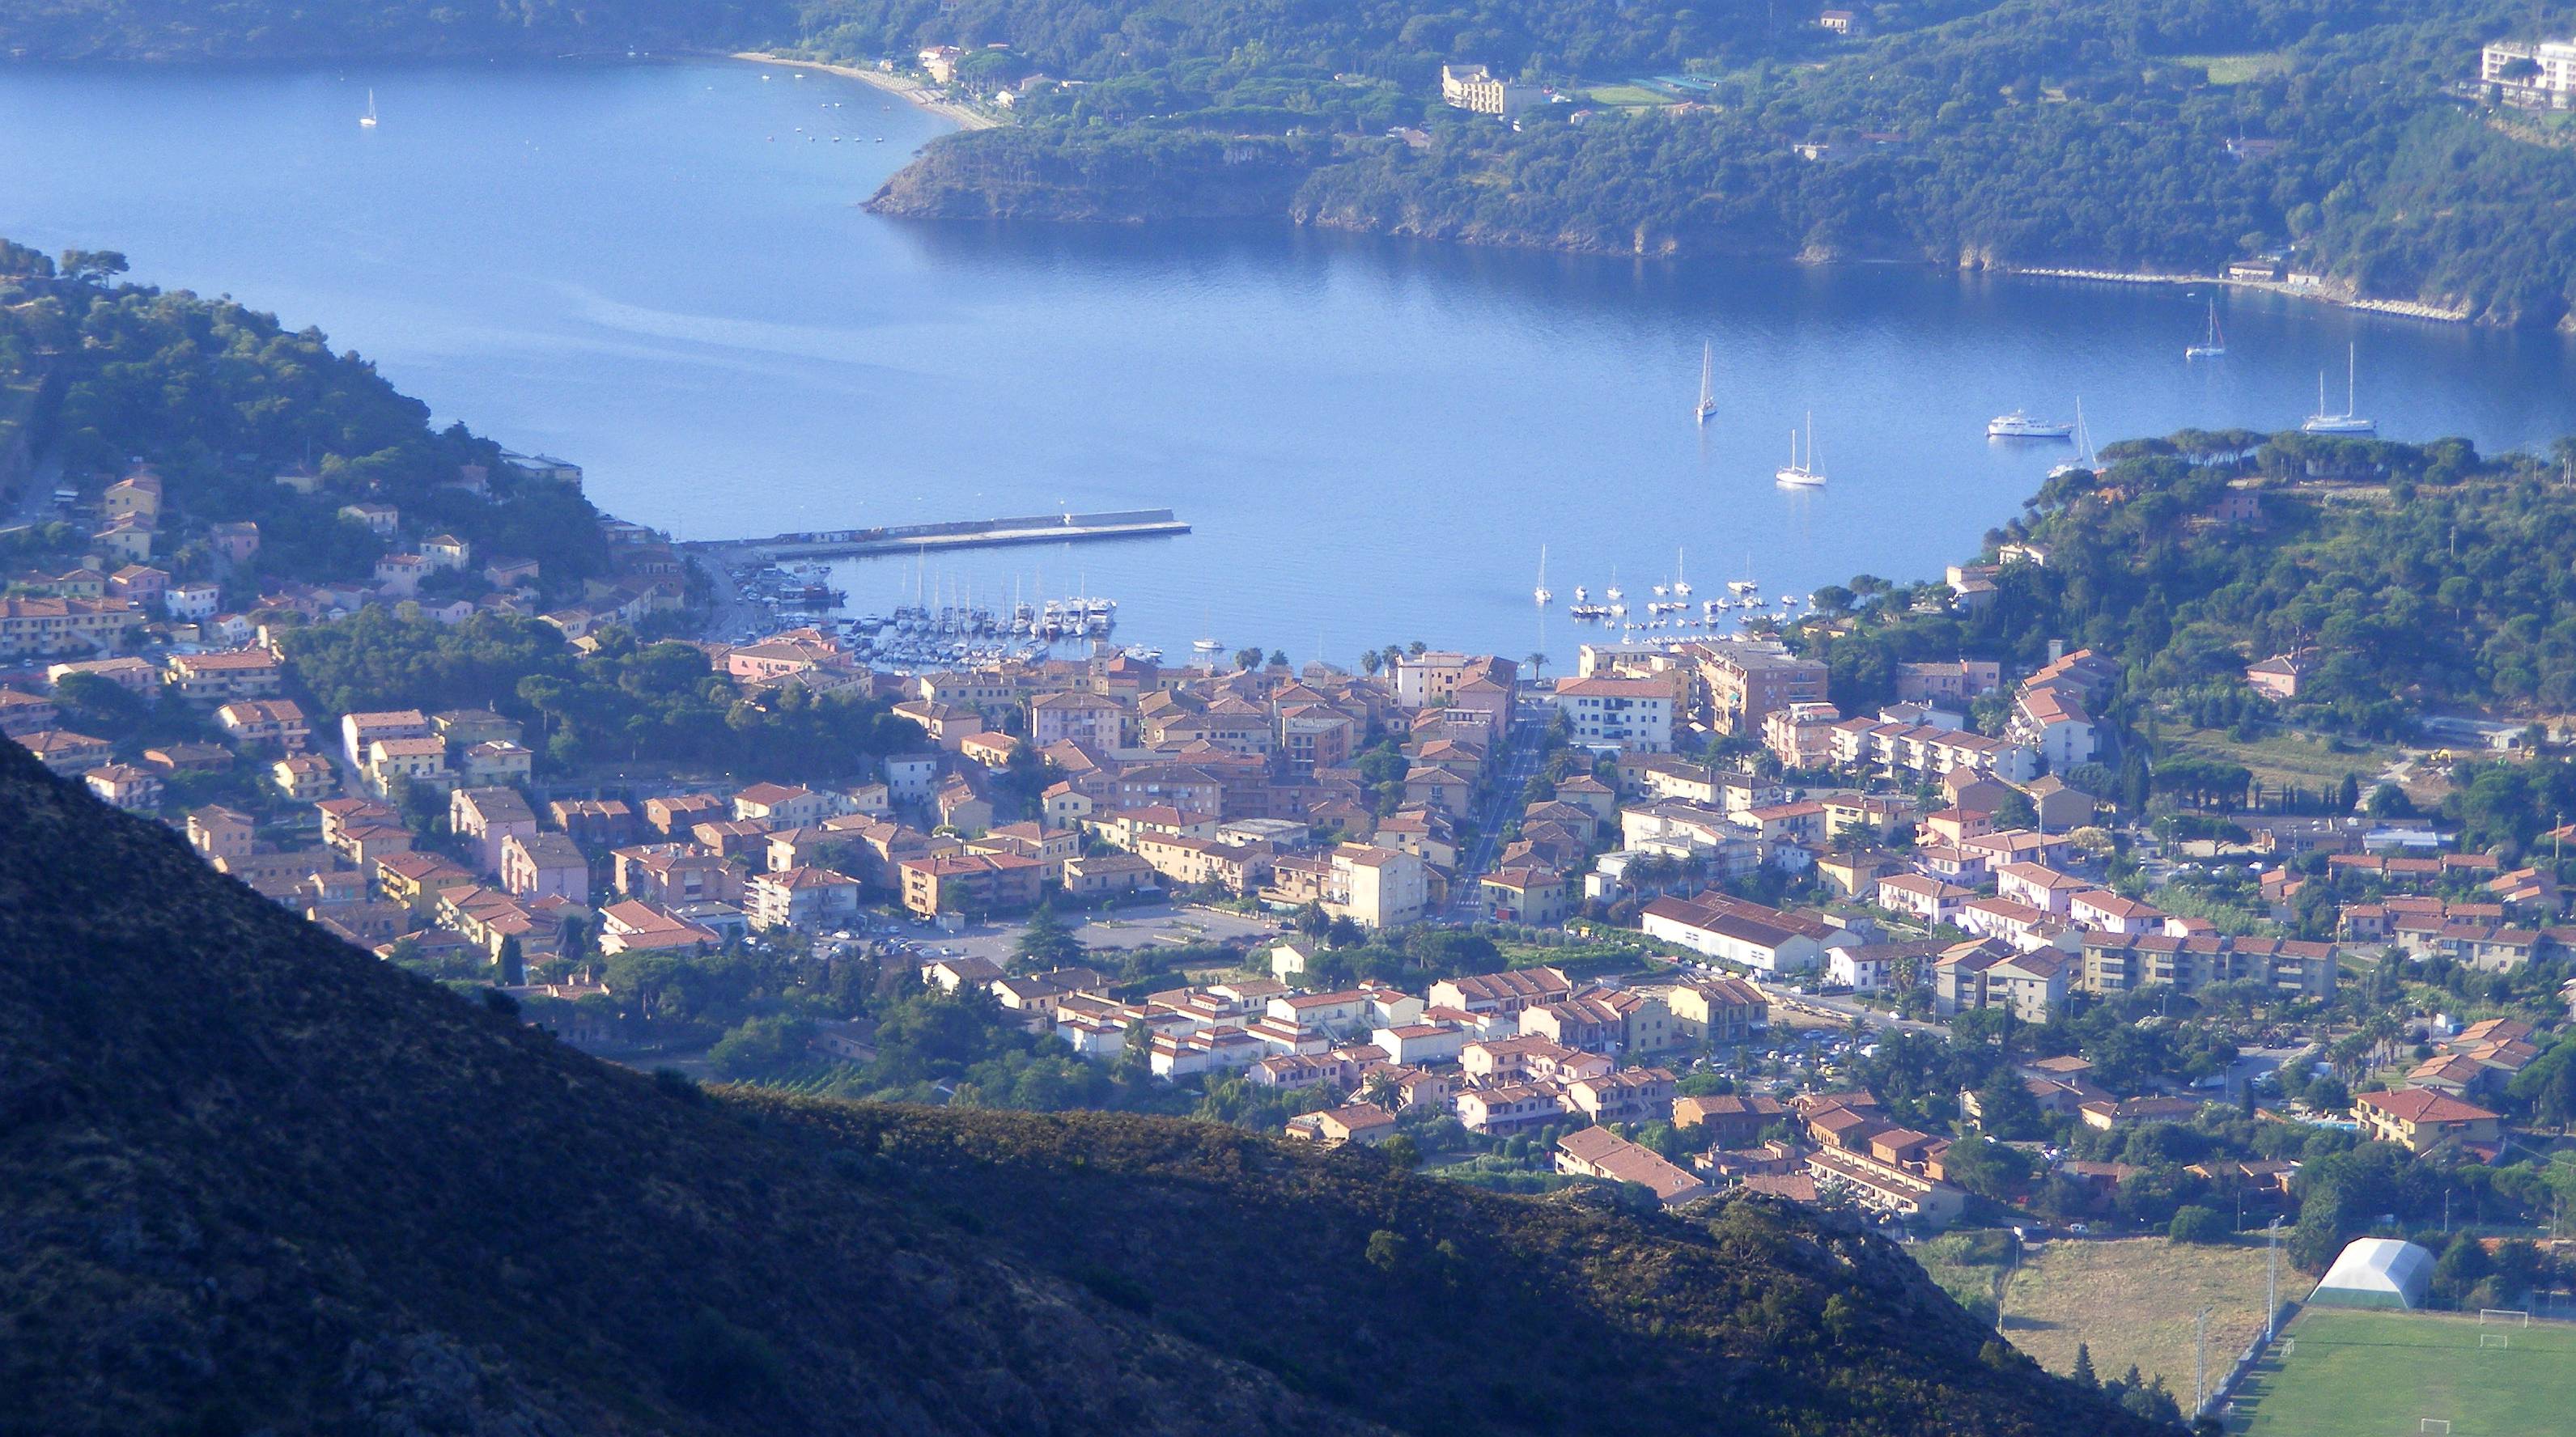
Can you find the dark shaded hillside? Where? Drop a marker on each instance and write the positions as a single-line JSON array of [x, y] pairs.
[[252, 1180]]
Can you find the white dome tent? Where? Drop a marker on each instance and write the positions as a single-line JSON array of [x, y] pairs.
[[2376, 1272]]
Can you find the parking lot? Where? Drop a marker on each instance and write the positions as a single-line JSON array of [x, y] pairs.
[[1160, 925]]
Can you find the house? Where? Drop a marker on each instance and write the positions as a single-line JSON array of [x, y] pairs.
[[1631, 714], [303, 776], [1730, 1120], [631, 925], [1107, 875], [498, 761], [2421, 1119], [1989, 973], [219, 833], [1735, 937], [1529, 894], [1376, 888], [1584, 1022], [1500, 1109], [2110, 913], [2040, 887], [486, 818], [122, 785], [2019, 924], [963, 884], [1626, 1095], [1928, 899], [1362, 1123], [677, 813], [805, 899], [1746, 680], [2054, 722], [1507, 994], [1477, 89], [1717, 1011], [25, 713], [1075, 716], [195, 599], [1600, 1153], [546, 865], [66, 625], [66, 753], [360, 731], [676, 875], [274, 724], [420, 761], [1418, 1044], [782, 805]]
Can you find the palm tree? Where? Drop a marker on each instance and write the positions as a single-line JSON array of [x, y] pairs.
[[1381, 1090], [1537, 664]]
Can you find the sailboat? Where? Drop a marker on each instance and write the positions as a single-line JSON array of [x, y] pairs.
[[367, 121], [2084, 459], [1542, 593], [1681, 586], [2211, 347], [2347, 422], [1707, 383], [1797, 473]]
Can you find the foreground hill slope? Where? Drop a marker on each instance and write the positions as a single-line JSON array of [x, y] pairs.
[[253, 1180]]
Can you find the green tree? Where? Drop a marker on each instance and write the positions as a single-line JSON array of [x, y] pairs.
[[1046, 943], [1987, 1168], [2193, 1223], [2548, 1085]]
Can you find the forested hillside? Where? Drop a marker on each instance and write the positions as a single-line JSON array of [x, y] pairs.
[[2092, 134], [258, 1181], [2402, 577]]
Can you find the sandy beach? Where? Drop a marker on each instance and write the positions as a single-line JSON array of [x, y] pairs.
[[965, 117]]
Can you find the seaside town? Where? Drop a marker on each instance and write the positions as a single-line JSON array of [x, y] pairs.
[[2071, 934], [1671, 920]]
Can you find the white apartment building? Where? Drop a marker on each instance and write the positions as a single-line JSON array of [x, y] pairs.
[[1473, 87], [2549, 83], [1631, 714]]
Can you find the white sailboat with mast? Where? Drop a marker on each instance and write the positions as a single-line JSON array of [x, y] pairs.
[[1542, 593], [2347, 422], [367, 121], [1801, 473], [2213, 346], [2084, 457], [1707, 384], [1681, 586]]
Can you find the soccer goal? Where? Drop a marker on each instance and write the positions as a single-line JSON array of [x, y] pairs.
[[2441, 1425], [2495, 1339], [2507, 1316]]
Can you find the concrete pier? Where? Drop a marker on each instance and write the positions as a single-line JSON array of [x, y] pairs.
[[959, 534]]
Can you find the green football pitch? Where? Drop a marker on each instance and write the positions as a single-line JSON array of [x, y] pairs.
[[2381, 1374]]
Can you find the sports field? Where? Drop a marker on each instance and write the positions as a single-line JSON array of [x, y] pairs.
[[2380, 1374]]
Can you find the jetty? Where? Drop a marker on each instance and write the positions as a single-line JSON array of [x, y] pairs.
[[956, 534]]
